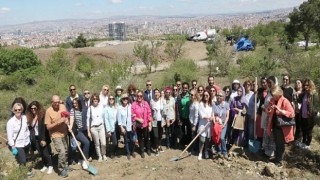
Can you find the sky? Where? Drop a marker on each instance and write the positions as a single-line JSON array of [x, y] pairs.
[[24, 11]]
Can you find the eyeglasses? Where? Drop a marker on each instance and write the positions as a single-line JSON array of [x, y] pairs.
[[285, 79], [194, 84], [106, 89], [17, 110], [123, 99], [175, 89], [139, 96], [111, 98], [191, 94], [148, 84], [86, 93], [95, 99], [178, 84], [213, 91], [72, 89], [33, 108]]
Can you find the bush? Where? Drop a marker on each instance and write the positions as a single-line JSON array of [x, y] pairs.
[[85, 65]]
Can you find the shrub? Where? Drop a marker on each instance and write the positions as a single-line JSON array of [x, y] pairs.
[[85, 65]]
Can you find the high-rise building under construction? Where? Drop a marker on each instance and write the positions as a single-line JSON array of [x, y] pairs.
[[117, 31]]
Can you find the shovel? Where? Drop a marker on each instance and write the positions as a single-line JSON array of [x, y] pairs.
[[254, 145], [91, 169], [179, 157]]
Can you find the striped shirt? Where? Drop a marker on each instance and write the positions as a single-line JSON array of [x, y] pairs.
[[77, 116]]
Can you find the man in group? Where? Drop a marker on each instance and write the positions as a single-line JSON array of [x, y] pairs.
[[211, 84], [178, 84], [73, 95], [149, 93], [57, 126]]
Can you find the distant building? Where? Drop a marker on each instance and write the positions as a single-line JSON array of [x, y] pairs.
[[117, 31]]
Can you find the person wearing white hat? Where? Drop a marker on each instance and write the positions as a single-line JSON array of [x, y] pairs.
[[235, 86], [118, 91]]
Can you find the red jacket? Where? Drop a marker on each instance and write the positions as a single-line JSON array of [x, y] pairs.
[[284, 104]]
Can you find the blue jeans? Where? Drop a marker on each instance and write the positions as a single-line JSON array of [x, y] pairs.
[[85, 143], [114, 139], [222, 148], [129, 141], [22, 155]]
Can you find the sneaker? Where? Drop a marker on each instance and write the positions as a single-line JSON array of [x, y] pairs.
[[278, 164], [50, 170], [142, 155], [302, 145], [133, 155], [90, 159], [200, 157], [160, 149], [84, 165], [128, 156], [157, 153], [213, 150], [104, 157], [226, 157], [306, 147], [43, 169], [206, 155], [100, 159], [63, 173]]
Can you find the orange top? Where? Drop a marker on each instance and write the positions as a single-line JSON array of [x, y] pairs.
[[53, 116]]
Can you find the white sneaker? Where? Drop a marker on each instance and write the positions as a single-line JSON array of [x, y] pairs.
[[44, 169], [84, 165], [306, 147], [200, 157], [104, 158], [302, 145], [50, 170], [100, 159]]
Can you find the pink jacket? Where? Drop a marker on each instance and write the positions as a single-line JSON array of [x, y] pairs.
[[284, 104], [141, 110]]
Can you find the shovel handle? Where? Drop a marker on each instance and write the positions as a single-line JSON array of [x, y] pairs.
[[195, 138], [84, 157]]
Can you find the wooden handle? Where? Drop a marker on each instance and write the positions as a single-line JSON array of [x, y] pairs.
[[78, 146]]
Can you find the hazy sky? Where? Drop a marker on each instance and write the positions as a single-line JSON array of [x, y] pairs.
[[22, 11]]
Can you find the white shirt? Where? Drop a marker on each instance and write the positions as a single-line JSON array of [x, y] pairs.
[[36, 132], [194, 113], [103, 100], [13, 126], [157, 107], [204, 112], [97, 115]]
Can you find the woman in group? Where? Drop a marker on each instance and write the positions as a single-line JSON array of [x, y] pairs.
[[309, 109], [279, 107], [213, 92], [18, 135], [125, 124], [249, 99], [77, 123], [200, 91], [132, 93], [297, 107], [39, 134], [169, 116], [261, 94], [104, 95], [96, 130], [205, 117], [238, 107], [227, 91], [194, 116], [141, 118], [221, 111], [288, 91], [111, 124], [268, 141], [158, 121], [21, 101]]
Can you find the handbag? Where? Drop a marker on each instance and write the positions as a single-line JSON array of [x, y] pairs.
[[238, 121], [283, 121]]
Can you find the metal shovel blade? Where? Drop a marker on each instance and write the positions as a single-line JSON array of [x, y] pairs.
[[92, 170], [175, 158], [254, 145]]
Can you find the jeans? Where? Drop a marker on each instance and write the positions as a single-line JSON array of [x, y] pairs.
[[45, 152], [99, 138], [249, 123], [157, 134], [170, 136], [223, 145], [143, 138], [186, 132], [280, 143], [129, 142], [114, 139], [21, 157], [62, 148], [85, 143]]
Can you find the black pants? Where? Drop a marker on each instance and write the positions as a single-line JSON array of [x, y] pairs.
[[279, 142], [307, 127], [157, 134], [45, 152], [186, 132], [297, 134], [143, 138]]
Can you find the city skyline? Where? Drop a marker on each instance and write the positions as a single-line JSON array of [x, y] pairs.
[[25, 11]]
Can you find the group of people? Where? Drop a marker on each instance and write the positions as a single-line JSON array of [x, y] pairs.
[[180, 112]]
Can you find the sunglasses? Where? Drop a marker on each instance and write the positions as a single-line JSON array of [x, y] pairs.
[[175, 89], [72, 89], [200, 90], [33, 108], [111, 98], [191, 94], [139, 96], [17, 110], [194, 84], [148, 84], [106, 89], [213, 91], [86, 93], [178, 84], [95, 99]]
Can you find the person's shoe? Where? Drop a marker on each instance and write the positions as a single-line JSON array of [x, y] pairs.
[[278, 164], [161, 150], [104, 157], [50, 170], [206, 155], [43, 169], [302, 145], [213, 150], [90, 159], [142, 155], [84, 165], [30, 174], [69, 169], [133, 155], [306, 147], [157, 153], [128, 156], [64, 173], [100, 159], [226, 157], [200, 157], [149, 153]]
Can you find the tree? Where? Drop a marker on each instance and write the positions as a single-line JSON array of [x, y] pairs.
[[85, 65], [148, 53], [80, 42], [59, 62], [174, 45], [304, 20], [17, 59]]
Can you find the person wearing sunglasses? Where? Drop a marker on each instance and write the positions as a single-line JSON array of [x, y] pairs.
[[103, 97], [149, 92], [18, 135], [169, 116], [73, 95], [200, 90], [194, 116], [39, 134]]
